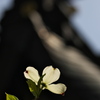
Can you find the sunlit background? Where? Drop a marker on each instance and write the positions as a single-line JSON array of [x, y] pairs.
[[86, 20]]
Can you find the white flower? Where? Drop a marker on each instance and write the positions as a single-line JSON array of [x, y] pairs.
[[51, 75]]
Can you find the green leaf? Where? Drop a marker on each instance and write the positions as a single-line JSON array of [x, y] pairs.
[[35, 89], [32, 87], [11, 97]]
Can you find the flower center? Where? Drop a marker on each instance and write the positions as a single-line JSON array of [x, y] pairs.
[[44, 85]]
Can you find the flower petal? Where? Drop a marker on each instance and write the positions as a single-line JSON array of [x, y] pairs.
[[57, 88], [32, 74], [52, 74]]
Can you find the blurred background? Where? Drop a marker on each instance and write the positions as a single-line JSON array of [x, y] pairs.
[[85, 20], [62, 33]]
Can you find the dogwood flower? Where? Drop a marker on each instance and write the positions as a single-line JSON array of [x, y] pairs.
[[50, 75]]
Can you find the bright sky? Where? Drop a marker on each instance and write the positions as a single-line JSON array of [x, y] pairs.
[[86, 20], [5, 5]]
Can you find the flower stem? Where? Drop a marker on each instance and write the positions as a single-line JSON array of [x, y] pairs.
[[36, 99]]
